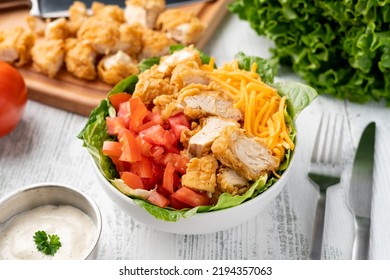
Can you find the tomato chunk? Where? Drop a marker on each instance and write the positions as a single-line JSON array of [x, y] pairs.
[[118, 98], [148, 149], [158, 199], [178, 123], [115, 124], [130, 151], [124, 110], [132, 180], [168, 179], [157, 135], [190, 197], [112, 148], [143, 168], [138, 112], [177, 204]]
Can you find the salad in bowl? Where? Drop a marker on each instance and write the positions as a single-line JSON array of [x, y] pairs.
[[185, 137]]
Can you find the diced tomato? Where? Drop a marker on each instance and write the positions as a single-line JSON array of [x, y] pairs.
[[154, 117], [168, 179], [179, 161], [157, 135], [124, 110], [143, 168], [158, 199], [138, 112], [130, 150], [190, 197], [177, 204], [157, 177], [148, 149], [132, 180], [179, 118], [115, 124], [112, 148], [178, 129], [120, 166], [178, 123], [118, 98]]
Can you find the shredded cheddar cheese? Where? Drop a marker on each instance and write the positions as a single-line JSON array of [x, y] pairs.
[[263, 108]]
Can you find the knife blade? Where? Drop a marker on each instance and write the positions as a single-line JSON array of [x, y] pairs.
[[360, 191], [56, 9]]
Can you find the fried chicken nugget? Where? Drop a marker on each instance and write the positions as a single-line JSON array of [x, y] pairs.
[[182, 26], [154, 44], [57, 29], [144, 12], [77, 15], [36, 25], [201, 174], [15, 46], [80, 59], [103, 35], [114, 68], [48, 56], [113, 12]]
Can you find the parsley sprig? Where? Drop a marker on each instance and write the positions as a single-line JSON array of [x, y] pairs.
[[48, 244]]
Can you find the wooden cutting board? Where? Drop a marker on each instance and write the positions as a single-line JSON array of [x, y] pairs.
[[79, 96]]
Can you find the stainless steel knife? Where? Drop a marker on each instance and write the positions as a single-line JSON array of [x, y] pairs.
[[59, 8], [360, 192]]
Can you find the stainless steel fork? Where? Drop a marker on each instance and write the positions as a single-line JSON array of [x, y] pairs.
[[325, 171]]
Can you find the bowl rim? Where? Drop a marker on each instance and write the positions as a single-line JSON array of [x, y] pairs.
[[66, 187]]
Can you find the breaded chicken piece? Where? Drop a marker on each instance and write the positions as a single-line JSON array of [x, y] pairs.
[[144, 12], [182, 26], [201, 142], [80, 59], [57, 29], [201, 174], [201, 100], [228, 180], [154, 44], [36, 25], [103, 35], [244, 153], [169, 62], [77, 15], [188, 73], [167, 105], [130, 39], [114, 68], [113, 12], [151, 84], [15, 46], [48, 56]]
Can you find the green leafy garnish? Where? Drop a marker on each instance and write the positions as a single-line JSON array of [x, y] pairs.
[[341, 48], [48, 244]]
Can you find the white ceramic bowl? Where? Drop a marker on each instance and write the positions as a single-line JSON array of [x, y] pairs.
[[200, 223], [41, 194]]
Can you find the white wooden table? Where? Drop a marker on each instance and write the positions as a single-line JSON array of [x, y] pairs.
[[44, 148]]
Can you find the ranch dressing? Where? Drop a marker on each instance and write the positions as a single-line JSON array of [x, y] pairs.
[[75, 229]]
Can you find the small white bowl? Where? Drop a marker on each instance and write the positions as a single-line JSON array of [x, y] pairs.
[[37, 195], [199, 223]]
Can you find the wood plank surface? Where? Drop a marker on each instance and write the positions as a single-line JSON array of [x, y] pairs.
[[79, 96]]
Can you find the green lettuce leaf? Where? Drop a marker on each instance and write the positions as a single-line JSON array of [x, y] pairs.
[[265, 68], [298, 95], [340, 48]]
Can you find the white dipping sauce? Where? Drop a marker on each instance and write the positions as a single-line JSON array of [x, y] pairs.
[[75, 229]]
